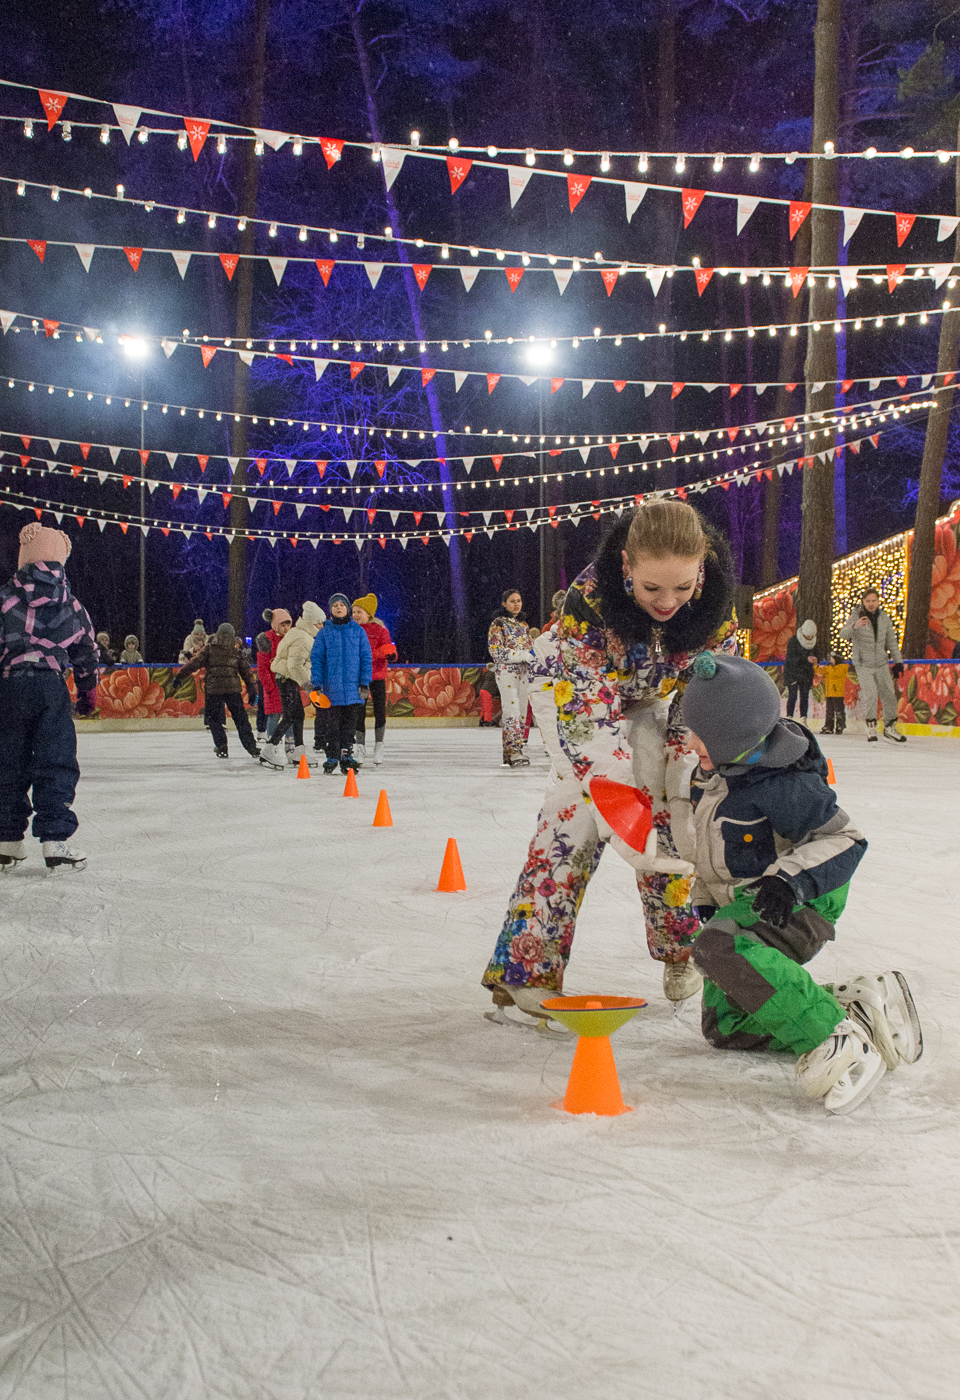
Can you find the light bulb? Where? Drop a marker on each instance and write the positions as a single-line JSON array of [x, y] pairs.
[[105, 135], [492, 151], [181, 141], [575, 264], [680, 165], [907, 152], [605, 161], [258, 148], [718, 162], [870, 152], [454, 144], [221, 145], [181, 216], [444, 251], [298, 146], [55, 194], [143, 136], [754, 163], [273, 230], [28, 128], [302, 235], [568, 157], [241, 224], [66, 131], [942, 156], [21, 187], [530, 158], [211, 221], [415, 140], [643, 164]]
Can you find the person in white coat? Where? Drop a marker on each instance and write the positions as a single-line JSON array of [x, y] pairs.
[[873, 646], [291, 668], [508, 642]]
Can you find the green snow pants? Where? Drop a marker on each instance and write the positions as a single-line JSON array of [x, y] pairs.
[[757, 995]]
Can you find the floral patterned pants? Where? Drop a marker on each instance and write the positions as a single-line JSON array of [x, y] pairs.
[[514, 692], [537, 936]]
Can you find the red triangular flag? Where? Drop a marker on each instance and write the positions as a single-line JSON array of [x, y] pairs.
[[203, 462], [875, 439], [276, 507], [798, 275], [790, 387], [53, 105], [950, 376], [421, 272], [614, 449], [732, 433], [577, 186], [332, 150], [371, 512], [468, 535], [555, 385], [26, 441], [207, 353], [895, 273], [417, 516], [164, 530], [674, 441], [355, 367], [678, 386], [229, 263], [902, 380], [492, 381], [682, 492], [144, 455], [74, 470], [905, 223], [39, 246], [458, 170], [788, 423], [735, 389], [196, 134], [514, 277], [85, 449], [551, 511], [427, 374], [321, 468], [497, 463], [126, 481], [846, 386], [424, 539], [702, 277], [176, 488], [799, 210], [324, 267], [381, 468], [619, 385], [37, 512], [24, 461], [610, 275], [227, 498], [134, 255], [509, 515], [261, 465], [50, 327], [691, 201]]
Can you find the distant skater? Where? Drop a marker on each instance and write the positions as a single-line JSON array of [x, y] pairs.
[[873, 644], [224, 666], [509, 643], [381, 648]]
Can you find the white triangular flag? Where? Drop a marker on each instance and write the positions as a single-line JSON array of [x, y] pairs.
[[441, 516], [300, 509], [172, 458], [91, 333], [393, 514], [279, 266], [946, 226], [925, 380], [101, 523], [467, 464], [459, 378], [391, 158], [874, 384], [55, 442], [152, 486], [818, 388], [648, 387], [875, 404], [232, 464], [469, 275], [319, 366], [486, 516], [246, 356], [290, 464], [201, 493], [518, 177], [101, 477], [941, 271], [655, 276], [851, 222], [347, 512], [168, 346], [584, 452], [127, 119], [634, 195], [373, 271], [780, 466], [114, 454], [746, 204], [182, 261], [58, 516], [587, 385], [710, 387], [563, 275], [392, 372], [7, 319], [85, 251], [351, 468], [315, 541], [273, 139], [762, 388], [403, 541], [848, 278], [703, 436], [413, 464]]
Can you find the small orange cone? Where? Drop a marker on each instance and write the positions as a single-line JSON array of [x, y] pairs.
[[831, 775], [303, 771], [451, 872], [381, 816], [351, 789]]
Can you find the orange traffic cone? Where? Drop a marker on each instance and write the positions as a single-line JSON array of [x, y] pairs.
[[381, 816], [831, 775], [451, 872], [303, 771], [351, 789]]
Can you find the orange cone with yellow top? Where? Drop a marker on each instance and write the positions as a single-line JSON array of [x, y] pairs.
[[594, 1085], [451, 872]]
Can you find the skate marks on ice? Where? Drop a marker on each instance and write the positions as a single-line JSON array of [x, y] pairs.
[[258, 1140]]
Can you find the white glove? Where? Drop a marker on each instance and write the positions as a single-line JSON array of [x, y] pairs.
[[647, 862], [624, 819]]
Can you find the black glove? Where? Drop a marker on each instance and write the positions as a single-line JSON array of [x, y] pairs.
[[896, 670], [364, 692], [773, 900], [704, 912]]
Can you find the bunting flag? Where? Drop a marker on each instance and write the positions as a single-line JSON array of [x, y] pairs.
[[895, 273], [848, 279], [799, 210], [518, 178], [469, 275], [53, 105], [197, 132], [273, 139], [127, 119], [514, 276], [458, 170], [746, 205], [39, 246], [391, 158], [421, 272], [851, 222], [798, 275], [133, 257], [563, 275], [577, 186], [373, 271], [555, 385], [355, 367], [325, 267], [634, 196], [332, 150], [703, 275], [228, 261], [905, 223], [690, 202], [182, 261], [610, 275], [207, 353], [492, 381], [426, 375], [278, 266]]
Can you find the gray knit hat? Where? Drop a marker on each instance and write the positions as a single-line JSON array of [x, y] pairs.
[[731, 704], [339, 598], [225, 633]]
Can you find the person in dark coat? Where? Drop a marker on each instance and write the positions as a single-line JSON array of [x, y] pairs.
[[44, 632], [105, 653], [341, 668], [800, 668], [224, 665]]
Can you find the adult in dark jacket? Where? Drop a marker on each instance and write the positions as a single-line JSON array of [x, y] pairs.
[[224, 665], [341, 668], [800, 667], [873, 645], [43, 632]]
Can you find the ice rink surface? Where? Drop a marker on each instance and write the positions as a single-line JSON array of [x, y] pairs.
[[260, 1142]]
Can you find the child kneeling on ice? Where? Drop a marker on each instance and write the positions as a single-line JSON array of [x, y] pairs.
[[774, 855]]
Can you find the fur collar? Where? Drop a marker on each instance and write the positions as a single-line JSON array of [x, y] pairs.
[[690, 628]]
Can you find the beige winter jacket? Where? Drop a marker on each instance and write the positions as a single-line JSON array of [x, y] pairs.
[[292, 660]]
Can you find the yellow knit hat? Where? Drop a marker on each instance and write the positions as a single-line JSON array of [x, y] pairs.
[[368, 602]]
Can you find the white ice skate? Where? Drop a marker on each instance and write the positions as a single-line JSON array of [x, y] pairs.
[[883, 1004], [272, 756], [872, 733], [527, 1000], [681, 980], [12, 854], [892, 734], [59, 856], [378, 752], [842, 1070], [360, 754], [302, 753]]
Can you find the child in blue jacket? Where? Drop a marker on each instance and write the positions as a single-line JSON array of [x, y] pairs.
[[773, 856], [341, 666]]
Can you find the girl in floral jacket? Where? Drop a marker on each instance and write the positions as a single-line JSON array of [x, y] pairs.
[[659, 592], [509, 643]]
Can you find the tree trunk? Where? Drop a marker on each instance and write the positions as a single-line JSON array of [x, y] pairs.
[[239, 509], [817, 545], [917, 627]]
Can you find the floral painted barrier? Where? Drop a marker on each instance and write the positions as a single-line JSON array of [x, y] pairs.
[[928, 697]]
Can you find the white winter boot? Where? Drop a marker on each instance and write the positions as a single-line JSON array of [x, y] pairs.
[[378, 751], [843, 1069], [272, 756], [59, 856], [681, 980], [883, 1004], [360, 754], [302, 753], [11, 855]]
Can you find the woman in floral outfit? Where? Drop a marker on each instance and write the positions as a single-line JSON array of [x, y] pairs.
[[659, 592], [509, 643]]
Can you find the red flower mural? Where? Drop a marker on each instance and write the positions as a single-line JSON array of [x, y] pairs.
[[774, 623], [945, 594], [443, 692]]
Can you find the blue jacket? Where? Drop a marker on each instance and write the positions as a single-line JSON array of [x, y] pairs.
[[44, 628], [340, 661]]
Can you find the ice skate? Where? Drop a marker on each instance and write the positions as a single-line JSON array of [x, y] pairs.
[[12, 854], [378, 752], [872, 732], [347, 761], [272, 756], [221, 753], [882, 1003], [302, 753], [892, 734], [843, 1070], [360, 754], [331, 765], [59, 856], [527, 1000], [681, 980], [519, 761]]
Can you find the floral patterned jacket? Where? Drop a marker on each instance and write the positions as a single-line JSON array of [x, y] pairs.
[[509, 643], [613, 656]]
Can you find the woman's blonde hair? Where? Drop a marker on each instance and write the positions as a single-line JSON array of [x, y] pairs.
[[662, 528]]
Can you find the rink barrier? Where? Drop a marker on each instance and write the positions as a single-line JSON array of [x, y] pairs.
[[423, 695]]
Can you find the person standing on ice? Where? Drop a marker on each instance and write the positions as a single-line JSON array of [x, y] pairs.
[[291, 667], [774, 856], [224, 665], [381, 647], [873, 642], [341, 668], [659, 591], [508, 642], [800, 668], [44, 632], [278, 622]]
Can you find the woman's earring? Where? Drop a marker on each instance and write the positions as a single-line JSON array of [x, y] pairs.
[[701, 575], [628, 585]]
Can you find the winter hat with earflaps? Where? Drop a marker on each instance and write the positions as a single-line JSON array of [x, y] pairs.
[[731, 704], [130, 642], [369, 604], [807, 634], [41, 545], [274, 616]]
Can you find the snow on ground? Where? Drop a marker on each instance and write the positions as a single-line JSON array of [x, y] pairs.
[[259, 1141]]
